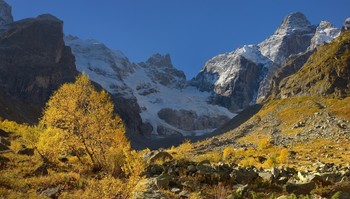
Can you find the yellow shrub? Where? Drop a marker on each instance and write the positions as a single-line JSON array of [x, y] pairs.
[[270, 162], [264, 143], [249, 161], [182, 151], [228, 153], [213, 157], [283, 157]]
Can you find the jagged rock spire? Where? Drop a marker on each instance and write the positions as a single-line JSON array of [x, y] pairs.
[[5, 13], [294, 21]]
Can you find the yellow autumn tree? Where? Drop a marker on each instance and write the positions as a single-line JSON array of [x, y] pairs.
[[81, 119]]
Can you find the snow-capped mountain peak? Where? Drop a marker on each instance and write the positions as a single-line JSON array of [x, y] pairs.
[[346, 25], [296, 21], [325, 33], [291, 37], [167, 105]]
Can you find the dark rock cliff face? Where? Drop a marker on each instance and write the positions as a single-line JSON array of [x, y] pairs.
[[34, 62], [242, 88], [5, 13], [293, 64], [326, 72]]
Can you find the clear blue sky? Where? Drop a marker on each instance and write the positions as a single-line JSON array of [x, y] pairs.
[[192, 31]]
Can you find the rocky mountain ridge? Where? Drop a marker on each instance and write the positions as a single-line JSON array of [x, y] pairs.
[[229, 82], [294, 35], [166, 104], [325, 73], [153, 97]]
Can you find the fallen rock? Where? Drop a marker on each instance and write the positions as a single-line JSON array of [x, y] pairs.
[[266, 176], [241, 190], [300, 188], [163, 180], [275, 172], [176, 190], [326, 179], [204, 167], [184, 194], [299, 125], [244, 176], [147, 188], [154, 156], [51, 192], [305, 177], [154, 170], [191, 168]]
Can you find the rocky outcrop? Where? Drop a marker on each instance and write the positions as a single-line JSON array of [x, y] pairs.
[[180, 176], [222, 75], [162, 71], [141, 90], [34, 62], [5, 13], [346, 25], [325, 33], [293, 64], [326, 73], [291, 37], [233, 77], [189, 120]]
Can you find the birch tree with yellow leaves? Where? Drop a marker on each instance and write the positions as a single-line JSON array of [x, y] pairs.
[[80, 120]]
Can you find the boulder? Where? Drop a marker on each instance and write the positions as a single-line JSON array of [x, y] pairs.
[[241, 190], [163, 180], [266, 176], [154, 156], [305, 176], [244, 176], [184, 194], [300, 188], [51, 192], [154, 170], [204, 167], [275, 172], [176, 190], [146, 188], [327, 178]]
